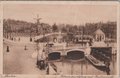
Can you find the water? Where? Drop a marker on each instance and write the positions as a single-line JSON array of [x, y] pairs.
[[82, 68]]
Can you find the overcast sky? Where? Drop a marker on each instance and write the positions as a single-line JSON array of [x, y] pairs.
[[62, 13]]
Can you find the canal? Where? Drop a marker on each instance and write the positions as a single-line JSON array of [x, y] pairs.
[[83, 67]]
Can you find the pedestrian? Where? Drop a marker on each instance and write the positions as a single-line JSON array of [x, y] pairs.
[[12, 38], [47, 67], [41, 64], [37, 63], [7, 49], [107, 67], [108, 70], [19, 39]]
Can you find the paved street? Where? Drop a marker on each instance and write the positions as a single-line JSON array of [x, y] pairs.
[[20, 61]]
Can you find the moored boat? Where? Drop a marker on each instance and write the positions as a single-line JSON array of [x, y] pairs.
[[95, 62]]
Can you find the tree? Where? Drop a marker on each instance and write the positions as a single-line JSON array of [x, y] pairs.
[[54, 28], [63, 29]]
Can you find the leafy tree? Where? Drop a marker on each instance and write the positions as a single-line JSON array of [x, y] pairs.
[[54, 28]]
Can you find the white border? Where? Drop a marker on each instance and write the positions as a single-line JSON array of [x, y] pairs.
[[1, 37], [118, 37], [63, 2], [59, 2]]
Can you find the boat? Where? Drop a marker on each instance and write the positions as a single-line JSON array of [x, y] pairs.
[[96, 63]]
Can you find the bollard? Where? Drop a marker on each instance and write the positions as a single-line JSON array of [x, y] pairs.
[[7, 49], [12, 38], [30, 39], [25, 48]]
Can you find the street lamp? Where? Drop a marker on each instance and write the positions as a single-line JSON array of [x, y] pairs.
[[40, 57], [30, 33], [37, 42], [82, 35]]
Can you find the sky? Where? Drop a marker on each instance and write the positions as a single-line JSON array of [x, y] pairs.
[[61, 13]]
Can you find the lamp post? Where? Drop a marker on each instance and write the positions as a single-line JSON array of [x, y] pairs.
[[37, 42], [30, 33], [82, 35], [40, 56]]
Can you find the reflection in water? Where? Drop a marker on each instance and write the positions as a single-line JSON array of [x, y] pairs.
[[113, 63], [83, 68]]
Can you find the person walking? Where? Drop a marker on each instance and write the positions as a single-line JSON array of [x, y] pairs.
[[107, 67], [7, 49]]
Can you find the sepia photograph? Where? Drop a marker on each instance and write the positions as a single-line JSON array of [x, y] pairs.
[[61, 38]]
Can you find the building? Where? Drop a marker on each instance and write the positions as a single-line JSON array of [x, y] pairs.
[[99, 38]]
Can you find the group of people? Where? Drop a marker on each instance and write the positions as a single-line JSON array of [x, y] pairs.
[[43, 65]]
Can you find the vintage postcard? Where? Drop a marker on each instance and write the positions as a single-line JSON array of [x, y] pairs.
[[60, 39]]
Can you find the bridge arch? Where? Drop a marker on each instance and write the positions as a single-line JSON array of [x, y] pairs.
[[75, 54], [49, 36], [55, 55]]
